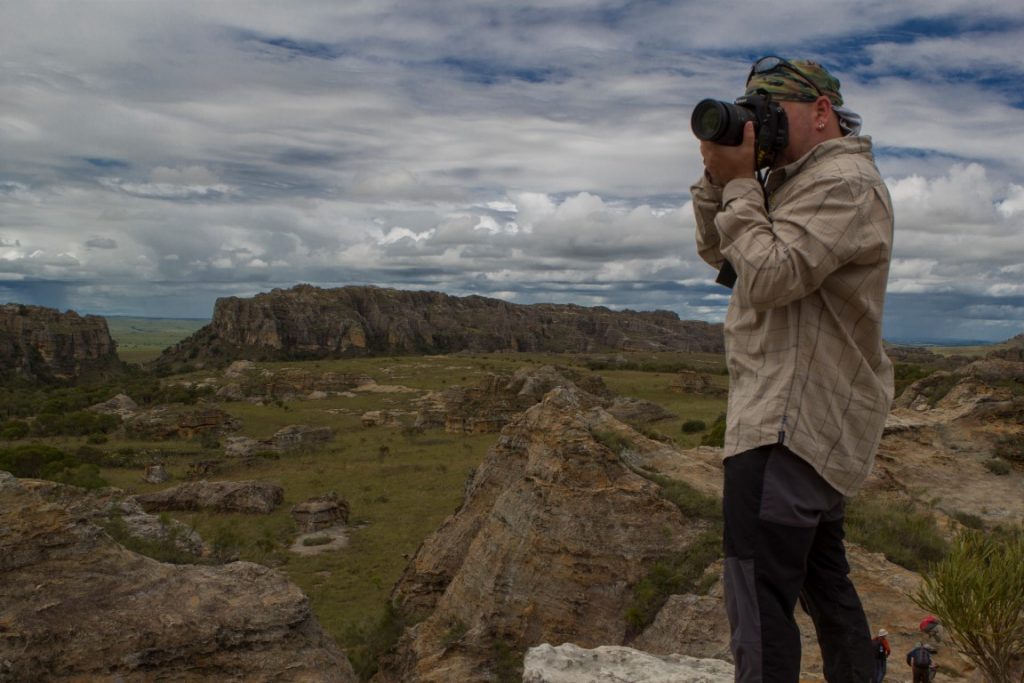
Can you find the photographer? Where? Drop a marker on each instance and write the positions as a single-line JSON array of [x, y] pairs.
[[807, 254]]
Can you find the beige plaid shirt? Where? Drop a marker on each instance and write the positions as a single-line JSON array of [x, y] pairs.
[[803, 333]]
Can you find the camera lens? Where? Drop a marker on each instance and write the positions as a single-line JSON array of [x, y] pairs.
[[719, 122]]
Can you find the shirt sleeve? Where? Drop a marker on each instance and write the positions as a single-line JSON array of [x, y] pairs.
[[707, 202], [785, 257]]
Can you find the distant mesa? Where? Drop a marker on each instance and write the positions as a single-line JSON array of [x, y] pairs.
[[307, 322], [43, 344]]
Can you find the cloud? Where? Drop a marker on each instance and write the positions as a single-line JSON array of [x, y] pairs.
[[529, 150]]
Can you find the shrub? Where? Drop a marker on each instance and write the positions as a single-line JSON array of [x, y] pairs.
[[978, 594], [904, 534], [693, 426], [13, 429], [678, 574], [77, 423], [997, 466], [612, 440], [716, 435], [321, 539], [1010, 448]]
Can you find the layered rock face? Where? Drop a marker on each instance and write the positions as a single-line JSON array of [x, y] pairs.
[[39, 343], [554, 532], [309, 322], [76, 606]]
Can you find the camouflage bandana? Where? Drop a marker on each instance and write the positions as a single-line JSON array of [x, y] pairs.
[[783, 84]]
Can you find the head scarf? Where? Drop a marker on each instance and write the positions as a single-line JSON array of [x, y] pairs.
[[785, 85]]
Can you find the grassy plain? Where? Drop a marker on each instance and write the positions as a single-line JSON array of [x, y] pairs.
[[142, 339]]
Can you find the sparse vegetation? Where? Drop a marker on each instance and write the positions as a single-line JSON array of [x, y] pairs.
[[977, 592], [900, 530]]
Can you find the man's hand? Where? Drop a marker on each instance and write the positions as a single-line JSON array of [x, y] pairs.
[[726, 162]]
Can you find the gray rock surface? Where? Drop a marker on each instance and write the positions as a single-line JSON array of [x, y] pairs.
[[608, 664]]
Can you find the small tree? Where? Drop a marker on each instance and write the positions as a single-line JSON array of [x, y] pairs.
[[978, 594]]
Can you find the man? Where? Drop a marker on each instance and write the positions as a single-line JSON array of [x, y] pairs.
[[880, 646], [920, 662], [810, 385]]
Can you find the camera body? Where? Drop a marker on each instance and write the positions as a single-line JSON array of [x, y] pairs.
[[722, 123]]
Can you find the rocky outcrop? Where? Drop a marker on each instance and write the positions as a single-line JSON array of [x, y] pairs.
[[217, 496], [497, 399], [43, 344], [79, 607], [571, 664], [321, 512], [177, 422], [246, 380], [554, 532], [309, 322]]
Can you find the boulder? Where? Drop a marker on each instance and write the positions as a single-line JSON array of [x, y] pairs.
[[156, 474], [321, 512], [639, 410], [121, 405], [79, 607], [568, 663], [299, 436], [218, 496]]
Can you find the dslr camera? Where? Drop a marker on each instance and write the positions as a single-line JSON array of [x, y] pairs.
[[722, 123]]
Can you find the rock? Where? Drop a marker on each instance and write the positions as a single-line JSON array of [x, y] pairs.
[[166, 422], [568, 663], [218, 496], [244, 447], [79, 607], [208, 420], [309, 322], [638, 410], [694, 624], [380, 418], [156, 474], [690, 382], [239, 368], [320, 513], [108, 506], [121, 405], [293, 437], [39, 343], [554, 531]]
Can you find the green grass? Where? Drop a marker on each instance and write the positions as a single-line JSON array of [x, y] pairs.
[[904, 533], [142, 339]]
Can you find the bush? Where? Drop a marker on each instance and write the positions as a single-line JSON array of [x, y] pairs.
[[977, 593], [674, 576], [77, 423], [13, 429], [693, 426], [997, 466], [904, 534], [1010, 448], [716, 435], [36, 461]]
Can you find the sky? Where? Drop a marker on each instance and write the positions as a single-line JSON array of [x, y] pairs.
[[155, 156]]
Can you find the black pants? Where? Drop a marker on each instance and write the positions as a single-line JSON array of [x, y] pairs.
[[783, 544]]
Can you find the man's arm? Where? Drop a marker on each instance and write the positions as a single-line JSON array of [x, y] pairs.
[[707, 202]]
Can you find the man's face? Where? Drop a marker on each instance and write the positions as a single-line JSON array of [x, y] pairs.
[[800, 117]]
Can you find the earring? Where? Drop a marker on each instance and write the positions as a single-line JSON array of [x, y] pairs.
[[821, 126]]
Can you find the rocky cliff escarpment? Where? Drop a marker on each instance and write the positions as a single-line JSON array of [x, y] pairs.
[[309, 322], [39, 343], [76, 606]]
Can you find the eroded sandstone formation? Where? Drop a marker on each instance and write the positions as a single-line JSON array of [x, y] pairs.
[[76, 606], [555, 530], [39, 343], [309, 322], [217, 496]]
